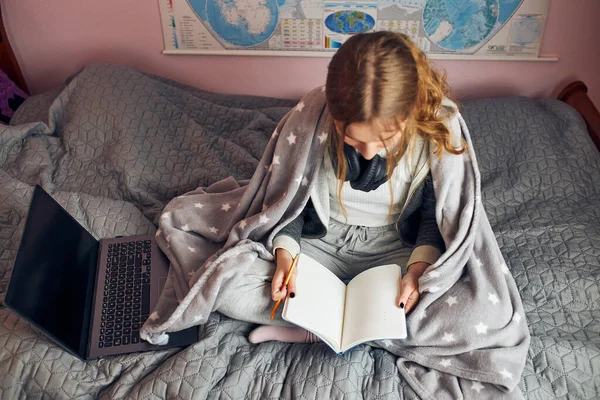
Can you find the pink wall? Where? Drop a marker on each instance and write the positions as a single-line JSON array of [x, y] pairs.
[[54, 38]]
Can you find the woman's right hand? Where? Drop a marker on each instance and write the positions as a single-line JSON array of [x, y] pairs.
[[283, 259]]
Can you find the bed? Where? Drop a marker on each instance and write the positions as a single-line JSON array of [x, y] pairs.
[[114, 145]]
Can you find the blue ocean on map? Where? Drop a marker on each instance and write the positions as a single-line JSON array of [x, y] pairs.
[[239, 24], [349, 21], [507, 9], [459, 25]]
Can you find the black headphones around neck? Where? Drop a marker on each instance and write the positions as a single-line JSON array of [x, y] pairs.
[[365, 175]]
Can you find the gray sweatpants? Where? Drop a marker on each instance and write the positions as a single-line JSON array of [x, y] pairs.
[[346, 250]]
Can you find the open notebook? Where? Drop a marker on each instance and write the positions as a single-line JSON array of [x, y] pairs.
[[346, 316]]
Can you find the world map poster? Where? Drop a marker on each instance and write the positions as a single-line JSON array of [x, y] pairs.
[[476, 29]]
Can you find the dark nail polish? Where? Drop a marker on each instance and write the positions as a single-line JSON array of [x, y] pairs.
[[292, 295], [401, 305]]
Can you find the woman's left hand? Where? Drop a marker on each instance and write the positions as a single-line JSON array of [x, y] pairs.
[[408, 295]]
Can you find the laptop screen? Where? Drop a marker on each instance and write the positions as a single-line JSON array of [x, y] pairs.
[[53, 277]]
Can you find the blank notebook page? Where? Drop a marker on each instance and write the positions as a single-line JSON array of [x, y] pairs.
[[319, 301], [371, 310]]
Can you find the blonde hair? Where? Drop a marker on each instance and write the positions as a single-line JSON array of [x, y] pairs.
[[383, 76]]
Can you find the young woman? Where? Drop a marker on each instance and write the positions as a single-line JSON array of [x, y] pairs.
[[385, 107]]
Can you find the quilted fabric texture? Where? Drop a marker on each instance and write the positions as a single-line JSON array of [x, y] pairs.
[[114, 145]]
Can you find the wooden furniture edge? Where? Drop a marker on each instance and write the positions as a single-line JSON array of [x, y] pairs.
[[575, 94], [8, 61]]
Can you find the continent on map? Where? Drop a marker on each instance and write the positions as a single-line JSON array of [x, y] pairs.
[[243, 23], [253, 13]]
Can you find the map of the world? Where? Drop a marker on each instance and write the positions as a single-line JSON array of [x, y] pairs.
[[349, 22], [449, 27]]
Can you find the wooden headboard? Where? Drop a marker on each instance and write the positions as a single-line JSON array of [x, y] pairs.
[[575, 94], [8, 62]]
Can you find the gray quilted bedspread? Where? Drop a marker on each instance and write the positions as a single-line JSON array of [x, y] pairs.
[[114, 145]]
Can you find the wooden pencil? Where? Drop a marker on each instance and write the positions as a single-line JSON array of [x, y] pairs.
[[287, 280]]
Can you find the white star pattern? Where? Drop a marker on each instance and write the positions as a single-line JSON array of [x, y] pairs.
[[445, 363], [481, 328], [225, 207], [448, 337], [504, 269], [212, 229], [191, 273], [451, 301], [154, 316], [478, 262], [493, 298], [299, 106], [291, 139], [198, 318], [322, 137], [517, 317], [263, 219], [386, 343], [198, 205], [275, 159], [185, 227], [165, 215], [304, 181], [275, 133], [298, 179], [423, 315], [243, 223], [476, 386], [434, 274], [190, 248], [410, 370], [506, 374]]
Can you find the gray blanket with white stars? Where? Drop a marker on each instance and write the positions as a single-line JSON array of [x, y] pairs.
[[467, 336]]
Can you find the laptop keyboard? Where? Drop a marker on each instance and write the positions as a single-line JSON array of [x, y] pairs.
[[126, 301]]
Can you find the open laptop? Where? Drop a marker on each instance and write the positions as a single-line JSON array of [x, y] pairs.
[[89, 296]]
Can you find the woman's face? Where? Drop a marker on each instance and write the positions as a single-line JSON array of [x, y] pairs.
[[369, 138]]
